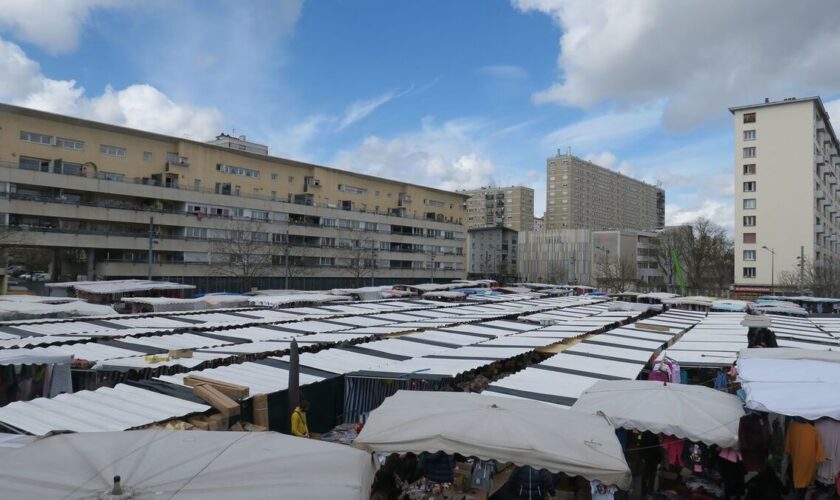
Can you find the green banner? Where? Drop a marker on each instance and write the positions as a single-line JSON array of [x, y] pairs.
[[678, 270]]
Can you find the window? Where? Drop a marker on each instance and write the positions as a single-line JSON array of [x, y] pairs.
[[274, 177], [749, 237], [749, 152], [35, 164], [749, 220], [115, 151], [749, 187], [36, 138], [197, 184], [749, 254], [110, 176], [749, 203], [70, 144], [147, 156], [749, 272], [749, 117], [749, 135], [351, 189], [291, 179], [749, 169], [230, 169]]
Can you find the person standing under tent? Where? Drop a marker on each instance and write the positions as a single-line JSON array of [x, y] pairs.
[[300, 427]]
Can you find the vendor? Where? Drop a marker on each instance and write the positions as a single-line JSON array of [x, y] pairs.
[[439, 467], [300, 427], [527, 483]]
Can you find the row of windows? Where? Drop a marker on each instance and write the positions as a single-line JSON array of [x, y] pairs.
[[230, 169], [352, 189], [48, 140]]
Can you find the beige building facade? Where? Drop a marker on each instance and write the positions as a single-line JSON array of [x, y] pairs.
[[71, 183], [787, 192], [585, 257], [583, 195], [511, 207]]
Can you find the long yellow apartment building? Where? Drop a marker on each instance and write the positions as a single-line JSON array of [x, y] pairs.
[[77, 184]]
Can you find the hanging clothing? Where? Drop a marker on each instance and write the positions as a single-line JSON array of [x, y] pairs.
[[805, 448], [754, 439], [829, 431], [659, 376], [674, 448], [601, 491], [721, 381]]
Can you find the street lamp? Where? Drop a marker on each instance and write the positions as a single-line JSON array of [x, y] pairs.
[[772, 269]]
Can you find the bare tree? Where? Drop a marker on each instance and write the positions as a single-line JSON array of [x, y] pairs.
[[704, 251], [297, 260], [361, 260], [671, 241], [821, 279], [555, 273], [619, 274], [243, 250]]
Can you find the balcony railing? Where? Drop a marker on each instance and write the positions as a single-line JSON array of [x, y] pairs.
[[147, 181]]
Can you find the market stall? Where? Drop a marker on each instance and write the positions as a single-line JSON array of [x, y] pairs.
[[505, 430], [184, 465]]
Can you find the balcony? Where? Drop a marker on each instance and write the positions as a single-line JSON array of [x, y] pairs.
[[144, 187]]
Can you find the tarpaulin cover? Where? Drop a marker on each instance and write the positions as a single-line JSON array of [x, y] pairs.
[[691, 412], [185, 465], [505, 429]]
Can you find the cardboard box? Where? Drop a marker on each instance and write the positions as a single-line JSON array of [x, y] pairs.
[[180, 353], [217, 400], [218, 422], [227, 388], [260, 402]]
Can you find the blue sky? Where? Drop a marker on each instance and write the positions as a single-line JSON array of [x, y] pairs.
[[449, 93]]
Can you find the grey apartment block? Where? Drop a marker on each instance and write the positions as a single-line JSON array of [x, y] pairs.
[[583, 195]]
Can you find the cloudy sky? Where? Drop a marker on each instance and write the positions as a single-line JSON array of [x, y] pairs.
[[449, 93]]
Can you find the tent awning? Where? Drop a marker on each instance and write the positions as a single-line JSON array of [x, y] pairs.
[[505, 429], [690, 412]]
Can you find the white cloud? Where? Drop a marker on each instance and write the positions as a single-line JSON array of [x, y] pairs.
[[702, 57], [716, 211], [53, 25], [447, 156], [608, 160], [293, 141], [833, 110], [137, 106], [360, 110], [610, 128], [504, 71]]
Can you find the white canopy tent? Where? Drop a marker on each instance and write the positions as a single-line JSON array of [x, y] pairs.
[[690, 412], [793, 382], [185, 465], [505, 429]]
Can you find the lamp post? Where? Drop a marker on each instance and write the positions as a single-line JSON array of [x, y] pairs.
[[772, 269]]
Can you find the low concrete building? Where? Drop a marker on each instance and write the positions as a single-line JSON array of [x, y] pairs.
[[619, 258], [492, 253]]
